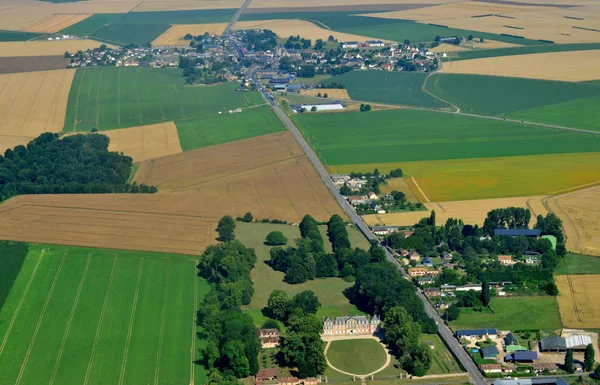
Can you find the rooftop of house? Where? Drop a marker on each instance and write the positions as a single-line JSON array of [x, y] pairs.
[[490, 350], [518, 232], [476, 332]]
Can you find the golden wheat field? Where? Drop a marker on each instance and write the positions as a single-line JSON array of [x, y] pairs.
[[578, 300], [580, 214], [45, 47], [56, 23], [145, 142], [567, 66], [175, 34], [32, 103], [332, 93], [282, 4], [470, 211]]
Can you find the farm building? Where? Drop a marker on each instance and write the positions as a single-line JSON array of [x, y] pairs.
[[374, 43], [521, 356], [323, 107], [489, 352], [294, 88], [384, 230], [477, 333], [469, 287], [268, 374], [349, 44], [577, 342], [517, 232]]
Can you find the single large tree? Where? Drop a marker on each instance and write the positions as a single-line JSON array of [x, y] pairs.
[[225, 228], [569, 363], [589, 358], [276, 238], [278, 304]]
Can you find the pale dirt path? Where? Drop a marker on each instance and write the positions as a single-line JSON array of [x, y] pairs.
[[330, 339]]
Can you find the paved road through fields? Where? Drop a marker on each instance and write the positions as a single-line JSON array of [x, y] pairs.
[[235, 17], [445, 333]]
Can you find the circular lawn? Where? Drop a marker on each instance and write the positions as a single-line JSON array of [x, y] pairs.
[[361, 356]]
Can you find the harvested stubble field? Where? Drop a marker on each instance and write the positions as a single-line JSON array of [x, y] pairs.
[[332, 93], [484, 178], [56, 23], [470, 211], [28, 64], [182, 5], [32, 103], [580, 213], [45, 47], [518, 50], [80, 316], [268, 176], [581, 66], [315, 5], [145, 142], [578, 300], [175, 34]]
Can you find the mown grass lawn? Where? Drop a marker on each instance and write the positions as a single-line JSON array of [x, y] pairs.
[[330, 291], [77, 315], [513, 313], [443, 361], [360, 356], [579, 264]]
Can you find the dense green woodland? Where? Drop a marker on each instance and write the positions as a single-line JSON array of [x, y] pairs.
[[78, 164]]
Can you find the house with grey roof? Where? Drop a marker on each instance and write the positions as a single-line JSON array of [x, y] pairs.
[[351, 325]]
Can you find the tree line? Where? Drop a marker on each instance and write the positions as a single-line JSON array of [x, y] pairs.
[[77, 164]]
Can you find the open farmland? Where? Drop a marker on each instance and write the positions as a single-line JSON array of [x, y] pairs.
[[91, 24], [581, 66], [32, 103], [387, 87], [116, 97], [17, 36], [510, 94], [28, 64], [328, 290], [332, 93], [145, 142], [79, 315], [427, 135], [227, 127], [484, 178], [268, 176], [174, 35], [578, 264], [56, 23], [578, 300], [181, 5], [470, 211], [465, 54], [578, 113], [45, 47], [580, 213]]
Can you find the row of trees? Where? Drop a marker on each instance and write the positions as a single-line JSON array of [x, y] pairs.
[[77, 164]]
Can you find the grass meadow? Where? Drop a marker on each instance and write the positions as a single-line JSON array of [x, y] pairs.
[[96, 316], [579, 264], [117, 97], [472, 93], [512, 313], [328, 290], [358, 356], [223, 128], [483, 178], [18, 36], [123, 34], [387, 87], [544, 48], [411, 135]]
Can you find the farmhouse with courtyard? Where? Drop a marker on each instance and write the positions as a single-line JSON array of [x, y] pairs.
[[353, 325]]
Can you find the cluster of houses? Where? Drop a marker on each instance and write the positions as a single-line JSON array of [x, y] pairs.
[[270, 376], [128, 57], [520, 356]]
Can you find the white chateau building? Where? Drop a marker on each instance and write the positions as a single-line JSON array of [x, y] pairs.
[[350, 325]]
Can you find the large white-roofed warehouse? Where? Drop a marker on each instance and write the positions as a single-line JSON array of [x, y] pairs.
[[577, 342]]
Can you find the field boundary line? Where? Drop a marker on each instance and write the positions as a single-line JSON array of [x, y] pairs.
[[576, 188], [40, 319], [162, 323], [420, 190], [131, 321], [312, 187], [77, 100], [99, 327], [71, 315], [424, 89], [21, 300], [194, 328]]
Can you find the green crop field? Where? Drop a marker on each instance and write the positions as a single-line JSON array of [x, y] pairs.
[[387, 87], [138, 34], [116, 97], [328, 290], [95, 316], [472, 92], [483, 178], [227, 127], [18, 36], [579, 264], [13, 254], [412, 135], [93, 23], [578, 113], [358, 356], [512, 313], [483, 53]]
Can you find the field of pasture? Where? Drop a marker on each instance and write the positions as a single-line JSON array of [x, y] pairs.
[[411, 135], [387, 87], [98, 316], [117, 97]]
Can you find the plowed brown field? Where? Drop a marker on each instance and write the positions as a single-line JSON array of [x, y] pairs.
[[32, 103], [578, 303], [332, 93], [56, 23], [268, 176]]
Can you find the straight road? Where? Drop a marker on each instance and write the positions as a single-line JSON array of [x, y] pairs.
[[444, 331], [235, 17]]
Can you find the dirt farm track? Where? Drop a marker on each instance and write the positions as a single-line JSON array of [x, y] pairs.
[[268, 176]]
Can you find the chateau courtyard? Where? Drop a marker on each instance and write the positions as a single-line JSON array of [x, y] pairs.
[[356, 355]]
